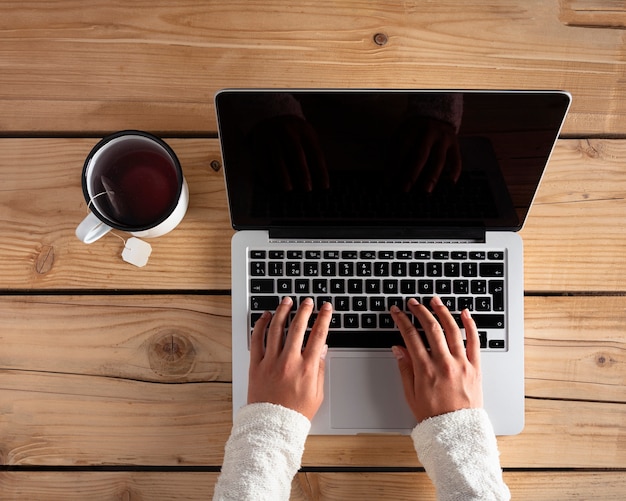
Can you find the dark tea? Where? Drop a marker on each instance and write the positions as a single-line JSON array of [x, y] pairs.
[[134, 183]]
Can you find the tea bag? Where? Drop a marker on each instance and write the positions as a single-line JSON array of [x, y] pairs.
[[115, 199], [136, 252]]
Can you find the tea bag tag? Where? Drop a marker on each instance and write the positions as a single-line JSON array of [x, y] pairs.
[[136, 252]]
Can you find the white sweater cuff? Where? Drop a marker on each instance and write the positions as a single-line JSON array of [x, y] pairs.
[[263, 453], [460, 454]]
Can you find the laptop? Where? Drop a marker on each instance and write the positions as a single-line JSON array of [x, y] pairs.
[[366, 198]]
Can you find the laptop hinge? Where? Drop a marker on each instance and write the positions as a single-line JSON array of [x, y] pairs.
[[474, 234]]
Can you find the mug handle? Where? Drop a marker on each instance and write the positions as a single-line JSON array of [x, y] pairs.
[[91, 229]]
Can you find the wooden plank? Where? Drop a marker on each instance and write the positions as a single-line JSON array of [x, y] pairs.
[[78, 386], [157, 64], [144, 338], [594, 13], [42, 193], [340, 486], [574, 237]]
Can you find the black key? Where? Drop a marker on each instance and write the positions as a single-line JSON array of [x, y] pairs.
[[452, 269], [262, 303], [496, 343], [350, 321], [483, 339], [459, 255], [276, 254], [425, 286], [367, 255], [262, 285], [416, 269], [469, 270], [359, 303], [303, 286], [434, 269], [422, 255], [293, 269], [488, 320], [395, 301], [381, 269], [349, 255], [275, 269], [483, 303], [355, 286], [390, 286], [342, 303], [335, 321], [443, 286], [460, 286], [364, 339], [385, 321], [492, 269], [404, 255], [257, 268], [478, 286], [331, 254], [283, 286], [337, 286], [377, 303], [441, 255], [372, 286], [496, 289], [257, 254], [495, 256], [329, 269], [398, 269], [312, 254], [385, 255], [364, 269], [465, 302], [479, 255], [311, 268], [449, 302], [408, 286], [320, 286], [320, 300], [346, 269], [368, 321], [294, 254]]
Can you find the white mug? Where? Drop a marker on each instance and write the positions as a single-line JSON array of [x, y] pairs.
[[132, 181]]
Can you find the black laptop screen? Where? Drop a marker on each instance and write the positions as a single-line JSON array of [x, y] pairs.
[[385, 159]]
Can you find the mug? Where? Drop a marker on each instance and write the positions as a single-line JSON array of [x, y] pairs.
[[132, 181]]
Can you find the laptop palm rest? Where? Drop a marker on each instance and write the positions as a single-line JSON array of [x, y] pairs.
[[367, 394]]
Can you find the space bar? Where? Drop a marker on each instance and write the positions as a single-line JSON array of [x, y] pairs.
[[364, 339]]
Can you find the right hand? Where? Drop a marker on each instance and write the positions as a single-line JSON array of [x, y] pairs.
[[447, 377]]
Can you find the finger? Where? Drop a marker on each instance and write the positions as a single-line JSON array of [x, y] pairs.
[[472, 337], [319, 332], [412, 340], [451, 330], [276, 331], [432, 328], [297, 329], [257, 341], [321, 374]]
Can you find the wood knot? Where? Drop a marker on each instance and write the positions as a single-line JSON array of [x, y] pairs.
[[45, 260], [603, 360], [171, 354], [381, 39]]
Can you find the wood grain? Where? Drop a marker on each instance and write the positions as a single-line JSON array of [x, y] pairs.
[[574, 237], [77, 486], [95, 380], [157, 64]]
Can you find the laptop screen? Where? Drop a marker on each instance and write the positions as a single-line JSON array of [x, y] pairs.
[[385, 158]]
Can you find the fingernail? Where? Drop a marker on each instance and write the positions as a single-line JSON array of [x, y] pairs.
[[307, 300], [327, 306], [324, 352], [397, 352], [436, 301], [287, 300], [413, 301], [395, 309]]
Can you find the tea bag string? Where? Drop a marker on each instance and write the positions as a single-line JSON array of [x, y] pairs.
[[105, 192]]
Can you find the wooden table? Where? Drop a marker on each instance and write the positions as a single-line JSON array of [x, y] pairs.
[[115, 380]]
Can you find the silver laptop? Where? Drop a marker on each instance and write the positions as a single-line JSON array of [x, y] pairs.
[[366, 198]]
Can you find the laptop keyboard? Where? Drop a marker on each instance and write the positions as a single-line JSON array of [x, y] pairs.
[[362, 285]]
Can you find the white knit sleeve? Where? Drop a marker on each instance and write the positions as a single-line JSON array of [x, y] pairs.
[[460, 454], [263, 453]]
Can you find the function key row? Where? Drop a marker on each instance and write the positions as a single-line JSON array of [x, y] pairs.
[[347, 254]]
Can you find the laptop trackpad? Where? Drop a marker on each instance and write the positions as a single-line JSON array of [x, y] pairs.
[[366, 392]]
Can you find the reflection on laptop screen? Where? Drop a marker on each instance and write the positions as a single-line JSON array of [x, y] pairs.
[[385, 158]]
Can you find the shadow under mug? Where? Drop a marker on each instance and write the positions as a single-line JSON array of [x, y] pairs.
[[132, 181]]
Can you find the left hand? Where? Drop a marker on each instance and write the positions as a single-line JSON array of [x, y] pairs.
[[281, 372]]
